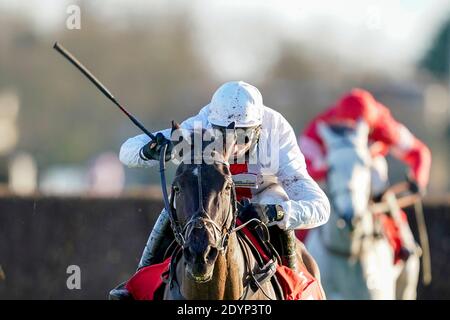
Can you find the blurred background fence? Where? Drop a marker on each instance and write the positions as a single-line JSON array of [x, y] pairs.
[[105, 238]]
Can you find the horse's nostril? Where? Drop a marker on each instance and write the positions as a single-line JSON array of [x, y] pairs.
[[208, 254], [212, 254], [194, 255]]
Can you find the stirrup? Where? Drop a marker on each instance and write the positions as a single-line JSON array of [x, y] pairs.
[[120, 293]]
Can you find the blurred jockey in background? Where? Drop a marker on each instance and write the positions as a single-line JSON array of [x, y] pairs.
[[385, 135]]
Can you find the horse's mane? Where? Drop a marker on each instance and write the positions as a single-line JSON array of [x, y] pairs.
[[341, 129]]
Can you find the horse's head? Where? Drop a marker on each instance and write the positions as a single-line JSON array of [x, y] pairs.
[[348, 159], [203, 198]]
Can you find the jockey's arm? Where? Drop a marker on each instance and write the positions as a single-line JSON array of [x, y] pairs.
[[130, 150], [405, 147], [308, 206]]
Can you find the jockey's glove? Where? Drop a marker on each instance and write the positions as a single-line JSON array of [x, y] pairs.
[[152, 150], [414, 187], [266, 213]]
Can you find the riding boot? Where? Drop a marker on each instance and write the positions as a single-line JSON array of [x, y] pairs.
[[408, 245], [285, 243], [158, 242], [120, 293], [289, 255]]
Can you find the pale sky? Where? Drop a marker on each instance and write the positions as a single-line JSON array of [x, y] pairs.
[[385, 35]]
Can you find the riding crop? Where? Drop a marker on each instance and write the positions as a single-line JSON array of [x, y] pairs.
[[133, 119]]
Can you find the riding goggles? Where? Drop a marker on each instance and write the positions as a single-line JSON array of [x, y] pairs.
[[243, 136]]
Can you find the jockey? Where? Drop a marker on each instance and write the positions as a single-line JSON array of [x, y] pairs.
[[306, 205], [386, 135]]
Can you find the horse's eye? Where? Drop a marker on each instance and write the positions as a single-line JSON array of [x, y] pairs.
[[228, 187], [176, 189]]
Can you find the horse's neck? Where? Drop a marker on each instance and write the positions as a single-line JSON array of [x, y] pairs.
[[343, 240], [227, 279], [334, 237]]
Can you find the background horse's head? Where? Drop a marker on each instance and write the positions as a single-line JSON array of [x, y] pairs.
[[354, 257], [349, 176], [204, 201]]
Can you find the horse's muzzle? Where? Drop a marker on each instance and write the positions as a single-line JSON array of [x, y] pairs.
[[200, 259]]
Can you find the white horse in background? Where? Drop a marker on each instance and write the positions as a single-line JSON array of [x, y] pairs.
[[355, 259]]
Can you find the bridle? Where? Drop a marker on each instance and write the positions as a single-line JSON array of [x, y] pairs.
[[332, 194], [201, 218], [354, 227]]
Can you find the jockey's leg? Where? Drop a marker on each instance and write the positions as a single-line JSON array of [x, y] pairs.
[[275, 194], [391, 231], [408, 279], [158, 241], [400, 236], [285, 243], [408, 242]]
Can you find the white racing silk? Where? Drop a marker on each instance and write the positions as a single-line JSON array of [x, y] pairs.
[[307, 206]]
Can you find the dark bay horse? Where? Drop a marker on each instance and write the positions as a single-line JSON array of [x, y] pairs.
[[213, 261]]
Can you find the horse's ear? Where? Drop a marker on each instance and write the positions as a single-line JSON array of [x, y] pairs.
[[176, 134], [175, 125], [231, 126], [325, 132], [230, 140]]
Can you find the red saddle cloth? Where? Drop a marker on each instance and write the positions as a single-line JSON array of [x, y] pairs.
[[296, 285], [392, 232], [147, 281], [299, 285]]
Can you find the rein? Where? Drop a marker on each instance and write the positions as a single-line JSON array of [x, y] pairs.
[[177, 231], [201, 218]]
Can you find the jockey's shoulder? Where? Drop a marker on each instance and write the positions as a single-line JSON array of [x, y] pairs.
[[274, 118], [271, 112]]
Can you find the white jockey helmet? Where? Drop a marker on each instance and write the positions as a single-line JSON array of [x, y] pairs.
[[238, 102]]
